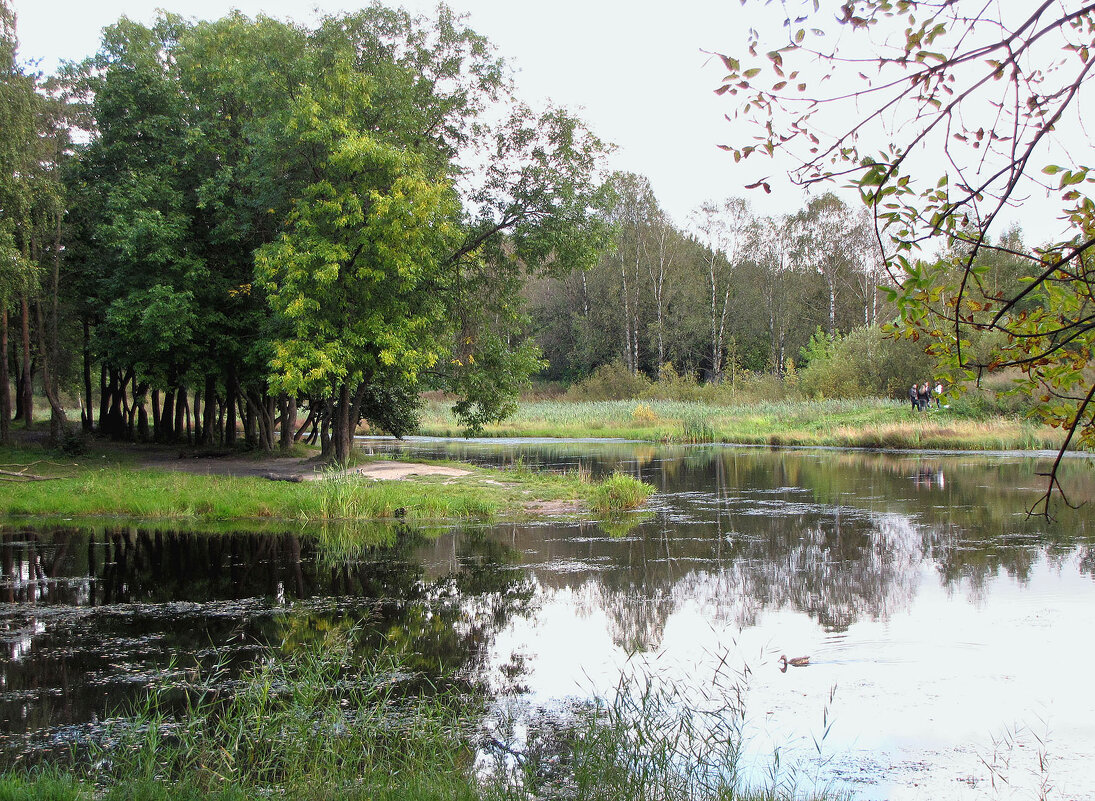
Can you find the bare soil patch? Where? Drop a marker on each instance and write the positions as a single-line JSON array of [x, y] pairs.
[[289, 469]]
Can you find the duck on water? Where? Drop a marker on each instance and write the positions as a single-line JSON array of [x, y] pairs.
[[795, 661]]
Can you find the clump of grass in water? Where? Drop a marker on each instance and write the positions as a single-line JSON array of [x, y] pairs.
[[619, 493]]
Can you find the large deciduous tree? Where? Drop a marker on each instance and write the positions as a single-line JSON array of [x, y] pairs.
[[279, 215], [946, 115]]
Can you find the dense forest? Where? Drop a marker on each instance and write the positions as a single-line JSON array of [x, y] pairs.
[[210, 225]]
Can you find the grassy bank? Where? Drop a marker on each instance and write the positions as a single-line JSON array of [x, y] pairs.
[[324, 723], [872, 423], [112, 483]]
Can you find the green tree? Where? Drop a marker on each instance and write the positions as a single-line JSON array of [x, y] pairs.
[[358, 273], [272, 214], [17, 121], [32, 203], [954, 111], [724, 229]]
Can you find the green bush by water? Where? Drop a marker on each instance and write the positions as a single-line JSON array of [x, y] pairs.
[[619, 493]]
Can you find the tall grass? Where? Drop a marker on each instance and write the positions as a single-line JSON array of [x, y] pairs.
[[861, 422], [652, 738], [320, 722]]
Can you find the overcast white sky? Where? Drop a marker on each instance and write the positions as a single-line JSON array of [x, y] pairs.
[[634, 71]]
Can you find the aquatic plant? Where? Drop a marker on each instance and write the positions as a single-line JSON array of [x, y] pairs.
[[697, 428], [319, 722], [619, 493]]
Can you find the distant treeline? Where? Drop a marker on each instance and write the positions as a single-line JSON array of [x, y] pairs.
[[731, 290]]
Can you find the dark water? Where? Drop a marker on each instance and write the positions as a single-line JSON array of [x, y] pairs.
[[950, 636]]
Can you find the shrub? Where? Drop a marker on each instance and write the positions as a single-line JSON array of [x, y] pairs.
[[673, 386], [867, 362], [995, 395], [752, 388], [610, 382]]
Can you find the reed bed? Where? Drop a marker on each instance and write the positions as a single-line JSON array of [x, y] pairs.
[[873, 423]]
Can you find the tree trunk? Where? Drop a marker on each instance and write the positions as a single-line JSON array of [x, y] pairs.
[[248, 415], [325, 433], [58, 420], [220, 422], [230, 408], [28, 384], [341, 433], [16, 364], [629, 359], [139, 395], [114, 425], [180, 415], [210, 409], [165, 431], [197, 416], [104, 398], [86, 416], [716, 355], [5, 390], [288, 421], [128, 411], [270, 410], [156, 415]]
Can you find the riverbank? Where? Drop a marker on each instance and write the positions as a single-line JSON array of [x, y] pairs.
[[156, 483], [859, 423]]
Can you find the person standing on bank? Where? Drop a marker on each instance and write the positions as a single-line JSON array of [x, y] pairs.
[[914, 398], [938, 396], [924, 396]]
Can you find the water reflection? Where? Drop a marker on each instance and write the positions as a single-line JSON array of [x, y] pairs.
[[842, 554], [93, 617]]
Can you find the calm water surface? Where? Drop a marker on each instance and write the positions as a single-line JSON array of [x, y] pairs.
[[950, 637]]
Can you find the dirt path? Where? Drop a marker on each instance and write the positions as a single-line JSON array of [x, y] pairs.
[[277, 469]]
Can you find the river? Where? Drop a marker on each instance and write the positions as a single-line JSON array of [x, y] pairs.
[[949, 635]]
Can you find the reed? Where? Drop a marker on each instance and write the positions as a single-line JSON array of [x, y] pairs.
[[317, 723], [653, 737], [860, 422]]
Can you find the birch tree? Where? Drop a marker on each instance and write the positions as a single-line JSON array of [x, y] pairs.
[[723, 228]]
